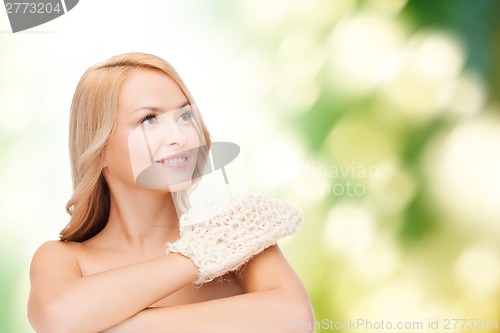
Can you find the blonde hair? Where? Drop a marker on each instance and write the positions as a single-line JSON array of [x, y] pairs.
[[92, 120]]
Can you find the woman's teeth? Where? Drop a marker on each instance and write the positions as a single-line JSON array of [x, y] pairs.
[[173, 161]]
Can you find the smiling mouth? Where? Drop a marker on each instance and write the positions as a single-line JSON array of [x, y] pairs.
[[177, 161], [174, 161]]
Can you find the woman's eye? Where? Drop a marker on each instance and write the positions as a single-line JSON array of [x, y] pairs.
[[149, 120], [186, 116]]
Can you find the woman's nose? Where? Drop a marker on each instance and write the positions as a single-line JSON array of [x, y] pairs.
[[173, 134]]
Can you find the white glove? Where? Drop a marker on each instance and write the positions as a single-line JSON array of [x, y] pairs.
[[222, 237]]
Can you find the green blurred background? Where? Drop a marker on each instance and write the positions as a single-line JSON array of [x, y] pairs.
[[379, 119]]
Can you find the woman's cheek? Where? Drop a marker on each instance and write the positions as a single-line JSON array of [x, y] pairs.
[[138, 152], [195, 139]]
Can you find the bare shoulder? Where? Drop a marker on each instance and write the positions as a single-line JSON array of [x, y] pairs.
[[53, 267], [268, 270], [57, 249], [58, 257]]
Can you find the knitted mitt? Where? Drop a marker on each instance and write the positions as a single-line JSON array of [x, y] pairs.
[[222, 237]]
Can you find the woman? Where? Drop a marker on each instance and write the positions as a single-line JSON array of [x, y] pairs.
[[110, 271]]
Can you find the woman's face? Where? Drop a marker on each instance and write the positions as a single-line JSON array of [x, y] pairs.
[[155, 141]]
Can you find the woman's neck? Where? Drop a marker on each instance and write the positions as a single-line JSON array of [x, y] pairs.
[[139, 220]]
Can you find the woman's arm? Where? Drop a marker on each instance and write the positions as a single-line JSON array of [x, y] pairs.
[[276, 301], [61, 300]]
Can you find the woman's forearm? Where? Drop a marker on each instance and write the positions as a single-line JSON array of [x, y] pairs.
[[96, 302], [110, 297], [275, 311]]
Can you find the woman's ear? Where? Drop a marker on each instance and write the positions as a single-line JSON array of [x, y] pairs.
[[104, 164], [104, 159]]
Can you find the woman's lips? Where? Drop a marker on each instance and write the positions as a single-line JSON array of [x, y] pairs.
[[175, 161]]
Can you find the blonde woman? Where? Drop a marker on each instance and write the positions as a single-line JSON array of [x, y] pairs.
[[133, 124]]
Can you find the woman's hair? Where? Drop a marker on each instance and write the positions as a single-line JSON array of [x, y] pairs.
[[92, 121]]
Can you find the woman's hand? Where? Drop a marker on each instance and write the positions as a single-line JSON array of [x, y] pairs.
[[222, 237]]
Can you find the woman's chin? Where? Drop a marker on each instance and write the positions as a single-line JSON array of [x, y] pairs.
[[180, 186], [157, 177]]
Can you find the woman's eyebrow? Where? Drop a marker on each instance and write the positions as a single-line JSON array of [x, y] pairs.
[[158, 109], [148, 108]]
